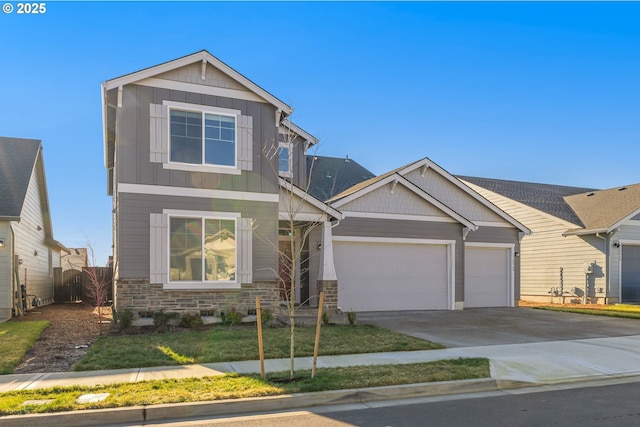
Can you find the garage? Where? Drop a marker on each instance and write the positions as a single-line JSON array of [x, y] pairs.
[[630, 273], [382, 275], [487, 276]]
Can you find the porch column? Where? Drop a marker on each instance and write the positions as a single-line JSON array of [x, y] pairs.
[[327, 279]]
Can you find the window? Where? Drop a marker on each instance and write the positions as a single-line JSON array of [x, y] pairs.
[[202, 138], [202, 249], [284, 159]]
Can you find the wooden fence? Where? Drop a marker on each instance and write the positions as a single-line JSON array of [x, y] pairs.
[[78, 286]]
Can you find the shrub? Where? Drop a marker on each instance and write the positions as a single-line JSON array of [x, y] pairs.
[[123, 319], [266, 316], [326, 317], [161, 320], [351, 317], [231, 318], [189, 320]]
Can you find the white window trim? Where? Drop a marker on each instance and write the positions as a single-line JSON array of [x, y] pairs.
[[288, 146], [204, 167], [203, 285]]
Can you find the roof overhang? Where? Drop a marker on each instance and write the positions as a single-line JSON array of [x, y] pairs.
[[311, 140], [426, 163], [609, 229], [308, 198]]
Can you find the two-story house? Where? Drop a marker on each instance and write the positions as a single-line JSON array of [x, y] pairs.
[[209, 179]]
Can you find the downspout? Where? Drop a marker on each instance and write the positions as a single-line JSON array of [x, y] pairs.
[[606, 263]]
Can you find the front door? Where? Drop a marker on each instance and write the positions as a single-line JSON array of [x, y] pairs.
[[630, 273]]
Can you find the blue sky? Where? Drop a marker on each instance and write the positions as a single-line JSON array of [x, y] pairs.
[[541, 92]]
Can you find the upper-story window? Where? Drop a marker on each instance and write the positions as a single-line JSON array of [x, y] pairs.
[[202, 138], [284, 159]]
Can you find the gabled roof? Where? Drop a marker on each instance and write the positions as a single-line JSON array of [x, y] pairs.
[[426, 163], [329, 176], [604, 210], [311, 140], [395, 178], [17, 162], [543, 197], [204, 57]]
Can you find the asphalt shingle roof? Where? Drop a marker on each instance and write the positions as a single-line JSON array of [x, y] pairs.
[[544, 197], [17, 159], [333, 175], [600, 210]]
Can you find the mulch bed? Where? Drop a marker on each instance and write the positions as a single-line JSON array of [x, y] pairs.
[[74, 327]]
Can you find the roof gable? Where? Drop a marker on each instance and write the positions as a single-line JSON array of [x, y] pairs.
[[393, 180], [204, 59], [17, 163]]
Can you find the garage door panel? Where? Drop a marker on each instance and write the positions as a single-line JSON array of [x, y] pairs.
[[387, 276], [487, 277]]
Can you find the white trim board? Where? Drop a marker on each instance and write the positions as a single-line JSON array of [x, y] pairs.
[[393, 240], [402, 217], [203, 89], [163, 190]]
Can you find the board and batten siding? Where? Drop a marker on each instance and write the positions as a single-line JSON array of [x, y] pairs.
[[134, 230], [6, 271], [629, 233], [30, 242], [385, 228], [134, 134], [546, 251]]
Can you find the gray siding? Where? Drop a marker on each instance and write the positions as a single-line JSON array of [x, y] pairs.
[[134, 230], [369, 227], [30, 242], [133, 135]]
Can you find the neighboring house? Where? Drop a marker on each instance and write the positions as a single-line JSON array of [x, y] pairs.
[[208, 179], [28, 252], [416, 238], [585, 243], [76, 259]]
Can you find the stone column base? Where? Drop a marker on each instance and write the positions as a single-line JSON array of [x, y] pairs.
[[330, 289]]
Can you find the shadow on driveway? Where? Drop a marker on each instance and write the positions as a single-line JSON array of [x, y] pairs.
[[496, 326]]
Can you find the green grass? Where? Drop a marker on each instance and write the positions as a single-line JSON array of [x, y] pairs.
[[223, 344], [618, 310], [16, 338], [234, 386]]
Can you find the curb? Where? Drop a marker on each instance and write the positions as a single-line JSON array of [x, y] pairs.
[[141, 414]]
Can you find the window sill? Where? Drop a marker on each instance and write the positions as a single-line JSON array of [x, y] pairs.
[[202, 168], [199, 286]]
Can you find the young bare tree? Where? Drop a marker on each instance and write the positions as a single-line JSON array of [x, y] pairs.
[[96, 293], [296, 223]]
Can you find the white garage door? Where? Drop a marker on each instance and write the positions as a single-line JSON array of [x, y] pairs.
[[375, 276], [487, 277]]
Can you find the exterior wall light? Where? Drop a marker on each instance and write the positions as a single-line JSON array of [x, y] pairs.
[[1, 243]]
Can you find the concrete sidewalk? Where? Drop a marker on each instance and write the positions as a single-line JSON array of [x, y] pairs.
[[512, 365]]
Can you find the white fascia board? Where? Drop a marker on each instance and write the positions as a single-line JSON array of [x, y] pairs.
[[458, 183], [301, 132], [286, 185], [585, 231], [193, 58], [105, 135]]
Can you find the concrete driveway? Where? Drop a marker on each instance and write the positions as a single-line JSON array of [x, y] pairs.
[[497, 326]]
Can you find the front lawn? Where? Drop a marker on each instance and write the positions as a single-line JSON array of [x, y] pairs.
[[16, 338], [224, 344], [234, 386], [618, 310]]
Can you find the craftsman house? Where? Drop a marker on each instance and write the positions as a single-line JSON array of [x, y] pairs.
[[207, 173]]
